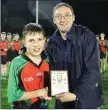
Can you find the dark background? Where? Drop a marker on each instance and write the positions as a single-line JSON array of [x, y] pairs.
[[16, 13]]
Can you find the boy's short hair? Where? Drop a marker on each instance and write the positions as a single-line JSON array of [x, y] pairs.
[[3, 33], [8, 33], [32, 28], [102, 33], [13, 35], [16, 34]]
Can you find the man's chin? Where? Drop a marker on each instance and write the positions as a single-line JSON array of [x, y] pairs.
[[63, 31]]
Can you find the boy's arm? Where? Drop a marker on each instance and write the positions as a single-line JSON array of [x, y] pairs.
[[14, 92], [37, 93]]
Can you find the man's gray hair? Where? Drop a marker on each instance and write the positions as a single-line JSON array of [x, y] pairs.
[[61, 5]]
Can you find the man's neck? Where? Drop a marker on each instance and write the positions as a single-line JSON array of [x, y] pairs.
[[63, 35]]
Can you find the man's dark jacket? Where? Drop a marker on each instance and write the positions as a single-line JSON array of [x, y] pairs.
[[81, 59]]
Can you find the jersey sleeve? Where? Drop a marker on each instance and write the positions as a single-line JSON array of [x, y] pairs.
[[14, 92]]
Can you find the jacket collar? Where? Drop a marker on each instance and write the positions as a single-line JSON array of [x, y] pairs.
[[70, 35]]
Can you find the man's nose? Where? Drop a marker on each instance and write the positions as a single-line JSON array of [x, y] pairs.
[[63, 19]]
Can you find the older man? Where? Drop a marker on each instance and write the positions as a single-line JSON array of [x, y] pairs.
[[74, 48]]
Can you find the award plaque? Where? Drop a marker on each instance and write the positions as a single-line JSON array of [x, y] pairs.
[[59, 82]]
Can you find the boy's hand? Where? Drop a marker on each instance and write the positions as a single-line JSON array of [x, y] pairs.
[[5, 49], [66, 97], [46, 98], [43, 92]]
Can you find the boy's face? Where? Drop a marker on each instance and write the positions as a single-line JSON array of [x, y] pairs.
[[97, 38], [34, 43], [3, 36], [9, 37], [102, 36], [16, 37]]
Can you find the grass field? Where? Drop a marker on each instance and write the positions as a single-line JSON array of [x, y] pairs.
[[4, 101], [6, 105]]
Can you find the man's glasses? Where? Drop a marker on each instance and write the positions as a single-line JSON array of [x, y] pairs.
[[59, 16]]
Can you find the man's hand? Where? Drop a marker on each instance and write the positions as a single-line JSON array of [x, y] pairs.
[[66, 97]]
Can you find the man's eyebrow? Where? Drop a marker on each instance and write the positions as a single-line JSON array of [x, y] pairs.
[[67, 13], [64, 13]]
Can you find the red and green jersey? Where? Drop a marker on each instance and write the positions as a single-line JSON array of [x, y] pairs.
[[3, 45], [103, 46], [107, 44], [17, 45], [31, 76], [9, 43]]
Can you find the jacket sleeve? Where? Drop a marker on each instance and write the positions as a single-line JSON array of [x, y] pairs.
[[90, 72], [13, 91]]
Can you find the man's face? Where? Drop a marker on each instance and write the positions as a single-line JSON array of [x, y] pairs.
[[9, 36], [63, 18], [3, 36], [34, 43]]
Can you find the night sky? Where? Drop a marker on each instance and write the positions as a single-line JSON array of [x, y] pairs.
[[91, 13]]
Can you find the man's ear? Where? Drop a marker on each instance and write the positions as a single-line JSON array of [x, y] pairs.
[[54, 21], [73, 17]]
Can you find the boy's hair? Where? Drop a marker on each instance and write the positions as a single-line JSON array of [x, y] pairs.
[[61, 5], [16, 34], [3, 33], [102, 33], [8, 33], [13, 35], [32, 28]]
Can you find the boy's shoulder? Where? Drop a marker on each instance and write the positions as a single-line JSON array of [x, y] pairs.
[[18, 58], [45, 61], [45, 65], [19, 61]]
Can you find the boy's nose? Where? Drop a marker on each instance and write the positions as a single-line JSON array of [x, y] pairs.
[[36, 43]]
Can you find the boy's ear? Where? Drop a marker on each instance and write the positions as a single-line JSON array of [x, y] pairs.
[[45, 38], [23, 42]]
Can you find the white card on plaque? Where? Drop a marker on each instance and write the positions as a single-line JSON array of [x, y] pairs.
[[59, 82]]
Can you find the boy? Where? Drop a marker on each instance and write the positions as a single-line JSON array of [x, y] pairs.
[[26, 84], [11, 53], [17, 44], [103, 51], [3, 45]]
